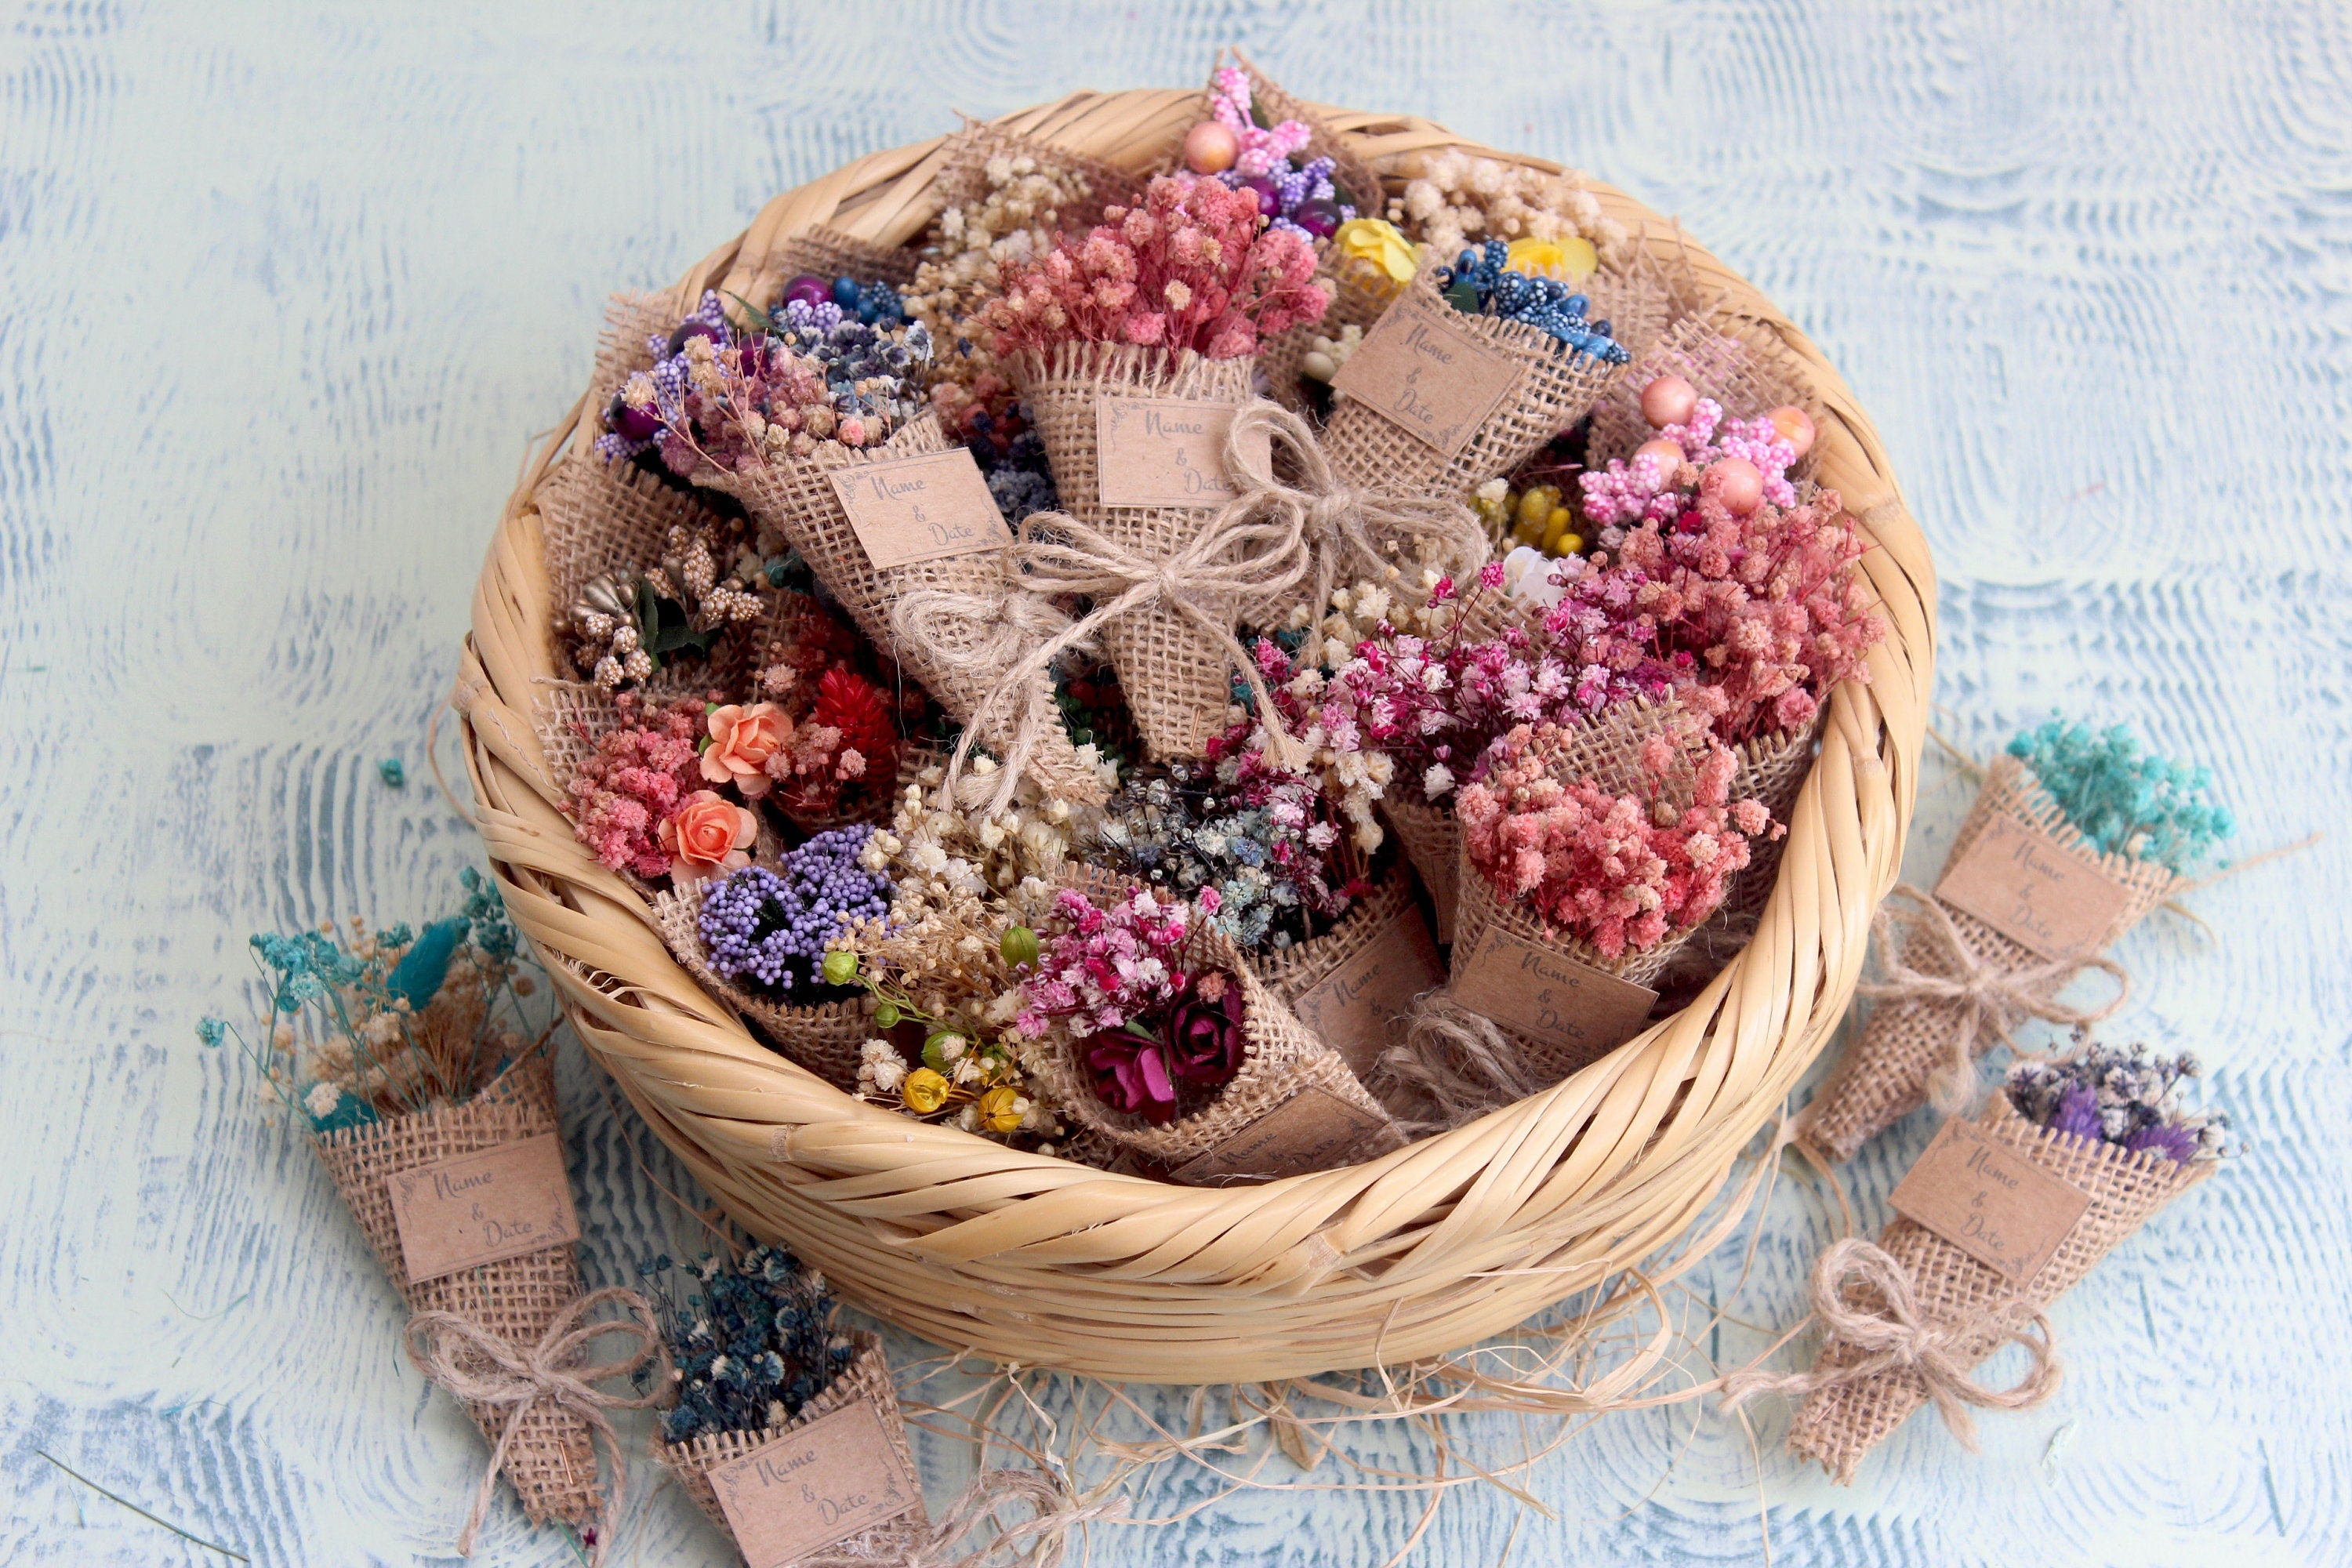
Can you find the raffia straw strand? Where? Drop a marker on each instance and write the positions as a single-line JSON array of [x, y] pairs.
[[1894, 1335], [481, 1368], [1037, 1542], [1993, 1000]]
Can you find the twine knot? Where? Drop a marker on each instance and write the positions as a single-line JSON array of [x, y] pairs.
[[1992, 1000], [1344, 528], [483, 1369], [1865, 1303]]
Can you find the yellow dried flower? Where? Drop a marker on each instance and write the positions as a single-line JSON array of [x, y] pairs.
[[1391, 258], [1000, 1109], [924, 1091]]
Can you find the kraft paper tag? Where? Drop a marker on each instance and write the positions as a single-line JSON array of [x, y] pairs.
[[1420, 371], [454, 1215], [1351, 1007], [1547, 994], [1989, 1200], [836, 1475], [1166, 451], [924, 507], [2035, 891], [1314, 1130]]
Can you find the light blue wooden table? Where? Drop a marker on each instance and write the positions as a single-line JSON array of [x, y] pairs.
[[286, 288]]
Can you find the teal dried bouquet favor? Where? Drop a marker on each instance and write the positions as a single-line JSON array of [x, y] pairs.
[[2074, 838], [419, 1068]]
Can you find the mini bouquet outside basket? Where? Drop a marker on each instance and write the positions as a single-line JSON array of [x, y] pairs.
[[1416, 1252]]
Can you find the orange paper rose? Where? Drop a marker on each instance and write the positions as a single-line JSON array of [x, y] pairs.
[[742, 740], [707, 836]]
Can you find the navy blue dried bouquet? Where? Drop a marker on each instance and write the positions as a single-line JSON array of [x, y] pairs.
[[750, 1346]]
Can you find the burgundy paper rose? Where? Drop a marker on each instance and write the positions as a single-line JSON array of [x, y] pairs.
[[1205, 1031], [1130, 1074]]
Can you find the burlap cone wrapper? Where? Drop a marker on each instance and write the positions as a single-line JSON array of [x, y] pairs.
[[1433, 842], [1839, 1425], [1292, 971], [829, 254], [1179, 682], [1359, 297], [960, 652], [549, 1464], [1556, 385], [866, 1377], [1282, 1059], [1885, 1076], [826, 1039], [1747, 379], [1270, 105], [1608, 751]]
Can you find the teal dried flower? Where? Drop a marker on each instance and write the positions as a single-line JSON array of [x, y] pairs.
[[2126, 801]]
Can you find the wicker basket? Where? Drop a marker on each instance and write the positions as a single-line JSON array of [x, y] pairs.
[[1035, 1260]]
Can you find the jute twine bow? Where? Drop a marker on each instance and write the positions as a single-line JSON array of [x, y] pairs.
[[1255, 546], [1991, 998], [986, 633], [482, 1368], [1892, 1334], [1345, 527]]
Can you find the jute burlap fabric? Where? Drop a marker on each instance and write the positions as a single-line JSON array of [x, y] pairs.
[[1554, 388], [829, 254], [1292, 971], [1281, 1058], [1747, 379], [866, 1377], [1772, 769], [826, 1039], [1352, 174], [964, 624], [1840, 1424], [1433, 842], [551, 1463], [1608, 753], [1178, 680], [1886, 1075], [1359, 297]]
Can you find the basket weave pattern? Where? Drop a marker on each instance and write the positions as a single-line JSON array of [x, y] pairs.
[[1040, 1260]]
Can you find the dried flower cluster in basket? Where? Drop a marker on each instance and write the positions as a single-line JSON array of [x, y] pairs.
[[1183, 682]]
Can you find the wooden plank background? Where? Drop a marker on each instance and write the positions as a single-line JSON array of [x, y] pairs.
[[288, 286]]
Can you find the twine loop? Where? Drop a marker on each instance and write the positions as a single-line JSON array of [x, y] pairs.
[[1863, 1300], [1345, 527], [483, 1369], [1992, 1000]]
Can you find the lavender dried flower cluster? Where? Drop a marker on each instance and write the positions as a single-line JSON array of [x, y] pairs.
[[769, 932], [752, 1347], [2125, 1096]]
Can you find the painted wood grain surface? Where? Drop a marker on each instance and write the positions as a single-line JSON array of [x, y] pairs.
[[288, 286]]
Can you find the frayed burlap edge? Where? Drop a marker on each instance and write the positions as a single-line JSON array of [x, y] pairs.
[[1179, 682], [826, 1039], [551, 1463], [1883, 1075], [1281, 1058], [1292, 971], [1839, 1425], [866, 1377], [1556, 385]]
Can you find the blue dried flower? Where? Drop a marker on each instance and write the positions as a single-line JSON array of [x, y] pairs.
[[770, 1318], [2123, 800]]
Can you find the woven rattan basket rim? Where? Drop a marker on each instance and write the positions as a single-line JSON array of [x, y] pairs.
[[1036, 1261]]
